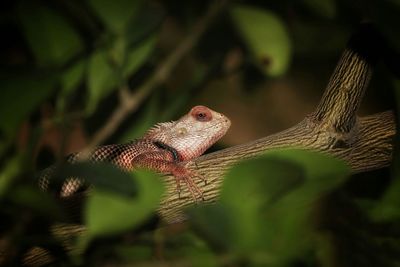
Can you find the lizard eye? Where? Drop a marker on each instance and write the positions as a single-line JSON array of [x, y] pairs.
[[201, 113]]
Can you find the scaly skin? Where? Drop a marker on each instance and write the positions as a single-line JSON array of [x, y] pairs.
[[164, 148]]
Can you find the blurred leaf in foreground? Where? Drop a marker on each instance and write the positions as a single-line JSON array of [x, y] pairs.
[[103, 175], [269, 180], [108, 213], [264, 212], [288, 222], [266, 38]]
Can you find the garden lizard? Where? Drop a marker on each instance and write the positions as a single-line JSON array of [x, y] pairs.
[[165, 148]]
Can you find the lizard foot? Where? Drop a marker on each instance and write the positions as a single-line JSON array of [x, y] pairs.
[[188, 178], [201, 176]]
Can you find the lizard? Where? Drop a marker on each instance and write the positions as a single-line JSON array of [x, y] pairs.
[[164, 148]]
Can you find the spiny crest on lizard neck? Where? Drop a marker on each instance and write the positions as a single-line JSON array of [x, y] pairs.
[[193, 133]]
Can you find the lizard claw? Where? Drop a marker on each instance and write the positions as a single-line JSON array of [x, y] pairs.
[[194, 190], [200, 176], [178, 187]]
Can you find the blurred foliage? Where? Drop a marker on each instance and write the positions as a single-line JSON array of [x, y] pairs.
[[265, 217], [63, 64], [50, 37], [116, 220], [266, 37]]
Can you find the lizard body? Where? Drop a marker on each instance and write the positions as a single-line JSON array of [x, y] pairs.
[[164, 148]]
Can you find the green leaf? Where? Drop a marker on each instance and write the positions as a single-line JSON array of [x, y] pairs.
[[70, 81], [266, 37], [73, 76], [109, 214], [101, 79], [266, 204], [260, 183], [117, 53], [287, 221], [138, 55], [324, 8], [104, 176], [11, 169], [115, 14], [317, 166], [263, 187], [51, 38], [19, 97]]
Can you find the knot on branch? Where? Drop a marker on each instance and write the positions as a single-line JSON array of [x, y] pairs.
[[342, 139], [330, 136]]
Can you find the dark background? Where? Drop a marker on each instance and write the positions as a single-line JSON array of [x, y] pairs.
[[62, 64]]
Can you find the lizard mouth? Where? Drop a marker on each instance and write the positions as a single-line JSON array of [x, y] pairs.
[[222, 126]]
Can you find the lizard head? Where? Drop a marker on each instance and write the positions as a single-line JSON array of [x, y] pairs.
[[193, 133]]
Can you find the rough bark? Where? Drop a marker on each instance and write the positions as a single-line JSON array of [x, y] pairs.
[[369, 147], [363, 143]]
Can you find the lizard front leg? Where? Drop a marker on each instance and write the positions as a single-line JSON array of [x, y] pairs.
[[163, 162]]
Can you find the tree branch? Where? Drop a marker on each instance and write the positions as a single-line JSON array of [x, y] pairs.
[[344, 92], [350, 79], [363, 143]]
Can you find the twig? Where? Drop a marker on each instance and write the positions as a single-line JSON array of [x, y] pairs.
[[343, 95], [129, 102]]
